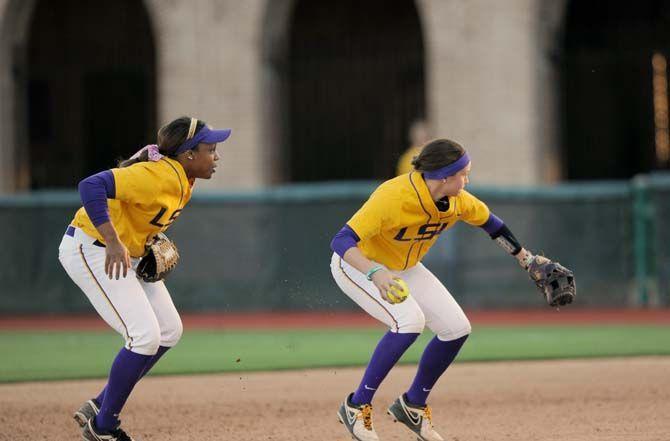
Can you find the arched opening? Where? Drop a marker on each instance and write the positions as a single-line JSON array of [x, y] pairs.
[[90, 87], [614, 101], [353, 84]]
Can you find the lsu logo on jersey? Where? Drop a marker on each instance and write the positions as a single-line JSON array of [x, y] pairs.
[[159, 218], [424, 232]]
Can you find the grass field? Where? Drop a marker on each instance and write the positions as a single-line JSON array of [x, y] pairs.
[[56, 355]]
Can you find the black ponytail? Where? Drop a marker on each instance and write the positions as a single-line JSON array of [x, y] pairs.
[[170, 136]]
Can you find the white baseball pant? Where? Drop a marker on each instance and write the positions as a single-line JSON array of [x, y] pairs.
[[143, 313], [429, 303]]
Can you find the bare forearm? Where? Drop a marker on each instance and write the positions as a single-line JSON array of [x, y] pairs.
[[354, 257], [108, 232]]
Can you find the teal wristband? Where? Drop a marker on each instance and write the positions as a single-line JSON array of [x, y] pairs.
[[372, 271]]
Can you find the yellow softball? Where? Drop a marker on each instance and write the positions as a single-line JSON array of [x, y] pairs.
[[396, 295]]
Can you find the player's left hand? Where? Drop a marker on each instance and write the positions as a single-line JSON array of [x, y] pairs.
[[555, 282], [161, 258]]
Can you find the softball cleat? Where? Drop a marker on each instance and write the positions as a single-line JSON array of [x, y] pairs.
[[92, 433], [87, 411], [357, 420], [418, 419]]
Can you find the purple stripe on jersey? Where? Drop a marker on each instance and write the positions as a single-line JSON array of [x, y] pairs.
[[94, 192], [493, 224], [344, 239]]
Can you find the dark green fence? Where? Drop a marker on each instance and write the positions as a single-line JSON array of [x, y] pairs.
[[269, 250]]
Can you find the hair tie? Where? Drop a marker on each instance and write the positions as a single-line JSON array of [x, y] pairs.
[[153, 153]]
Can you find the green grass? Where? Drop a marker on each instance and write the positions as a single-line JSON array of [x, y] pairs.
[[56, 355]]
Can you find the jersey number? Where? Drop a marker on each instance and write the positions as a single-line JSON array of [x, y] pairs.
[[426, 232], [156, 220]]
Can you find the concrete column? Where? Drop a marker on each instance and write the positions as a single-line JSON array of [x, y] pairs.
[[208, 67], [14, 161], [483, 75]]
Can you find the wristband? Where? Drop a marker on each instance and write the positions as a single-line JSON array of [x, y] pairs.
[[526, 261], [506, 239], [372, 271]]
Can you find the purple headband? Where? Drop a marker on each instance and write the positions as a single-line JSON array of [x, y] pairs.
[[206, 135], [448, 170]]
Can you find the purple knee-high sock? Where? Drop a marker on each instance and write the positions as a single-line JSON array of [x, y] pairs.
[[389, 350], [150, 363], [436, 358], [126, 370]]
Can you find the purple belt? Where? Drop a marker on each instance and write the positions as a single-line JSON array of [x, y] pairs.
[[70, 232]]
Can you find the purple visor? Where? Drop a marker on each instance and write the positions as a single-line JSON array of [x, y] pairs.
[[448, 170], [206, 135]]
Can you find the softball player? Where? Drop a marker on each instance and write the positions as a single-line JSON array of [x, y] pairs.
[[123, 208], [386, 240]]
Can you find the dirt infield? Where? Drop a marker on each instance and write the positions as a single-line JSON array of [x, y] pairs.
[[571, 400]]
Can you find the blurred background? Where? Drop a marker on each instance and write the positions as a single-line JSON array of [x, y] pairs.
[[563, 106]]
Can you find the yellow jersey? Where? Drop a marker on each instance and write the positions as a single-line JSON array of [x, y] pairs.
[[149, 197], [400, 221]]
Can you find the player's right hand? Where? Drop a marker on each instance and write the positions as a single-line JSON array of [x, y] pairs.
[[117, 258], [383, 280]]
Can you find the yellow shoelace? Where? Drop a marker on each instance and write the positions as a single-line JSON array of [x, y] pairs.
[[428, 414], [366, 416]]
